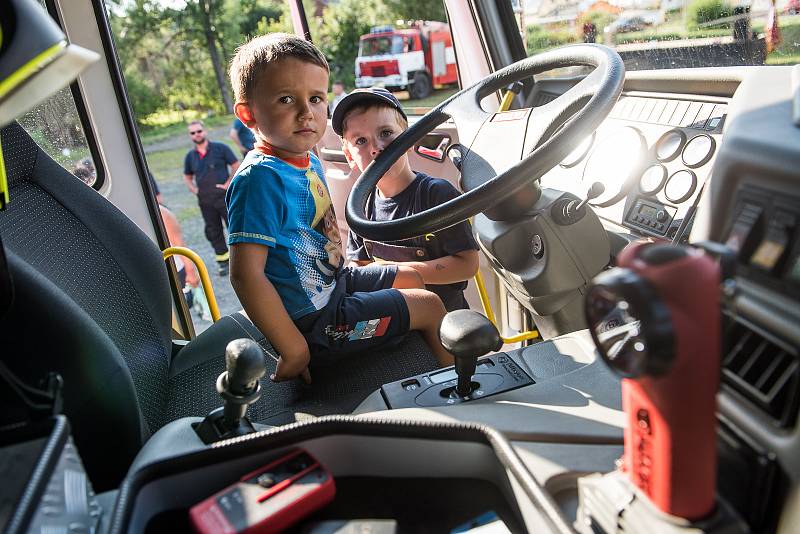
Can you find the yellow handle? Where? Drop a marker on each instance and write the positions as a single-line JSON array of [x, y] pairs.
[[204, 278], [508, 98]]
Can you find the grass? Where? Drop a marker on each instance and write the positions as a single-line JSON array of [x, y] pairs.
[[166, 130], [167, 165]]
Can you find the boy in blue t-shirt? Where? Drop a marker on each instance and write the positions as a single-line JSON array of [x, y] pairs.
[[367, 121], [286, 257]]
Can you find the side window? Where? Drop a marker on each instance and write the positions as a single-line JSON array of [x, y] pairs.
[[56, 126]]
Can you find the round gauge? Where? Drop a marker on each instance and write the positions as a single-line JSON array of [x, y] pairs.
[[698, 151], [580, 151], [669, 145], [680, 186], [615, 162], [652, 179]]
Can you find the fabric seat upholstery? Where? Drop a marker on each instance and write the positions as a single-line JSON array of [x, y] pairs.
[[93, 304]]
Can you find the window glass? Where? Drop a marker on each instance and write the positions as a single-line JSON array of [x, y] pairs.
[[56, 127], [671, 33]]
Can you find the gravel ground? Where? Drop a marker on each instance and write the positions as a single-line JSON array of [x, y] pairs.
[[165, 159]]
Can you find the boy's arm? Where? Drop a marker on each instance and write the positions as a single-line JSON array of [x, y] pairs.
[[265, 308], [447, 269]]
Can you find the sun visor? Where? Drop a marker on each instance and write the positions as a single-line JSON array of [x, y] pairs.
[[35, 58]]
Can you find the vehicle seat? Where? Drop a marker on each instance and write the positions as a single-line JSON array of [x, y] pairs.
[[93, 303]]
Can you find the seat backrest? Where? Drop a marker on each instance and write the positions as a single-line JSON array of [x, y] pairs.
[[92, 303]]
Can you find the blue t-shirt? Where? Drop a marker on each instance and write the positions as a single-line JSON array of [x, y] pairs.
[[246, 136], [287, 208]]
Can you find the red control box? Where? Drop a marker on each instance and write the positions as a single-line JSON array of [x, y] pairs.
[[267, 500], [671, 440]]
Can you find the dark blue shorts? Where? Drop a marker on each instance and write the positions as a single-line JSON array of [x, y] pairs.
[[363, 312]]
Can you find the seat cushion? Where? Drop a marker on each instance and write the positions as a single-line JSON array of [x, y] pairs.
[[335, 389]]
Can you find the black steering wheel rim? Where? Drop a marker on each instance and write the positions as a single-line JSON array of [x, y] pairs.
[[595, 96]]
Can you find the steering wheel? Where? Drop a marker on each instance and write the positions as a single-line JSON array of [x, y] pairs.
[[524, 144]]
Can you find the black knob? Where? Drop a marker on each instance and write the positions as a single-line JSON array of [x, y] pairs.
[[467, 335], [244, 362]]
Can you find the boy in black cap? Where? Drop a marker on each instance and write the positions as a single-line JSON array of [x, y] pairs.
[[368, 120]]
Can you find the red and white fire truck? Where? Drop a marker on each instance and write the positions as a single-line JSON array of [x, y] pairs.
[[416, 59]]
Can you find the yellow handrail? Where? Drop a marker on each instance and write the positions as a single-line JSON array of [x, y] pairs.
[[204, 278], [508, 98]]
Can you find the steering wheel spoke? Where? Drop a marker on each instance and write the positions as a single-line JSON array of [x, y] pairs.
[[546, 120], [507, 151]]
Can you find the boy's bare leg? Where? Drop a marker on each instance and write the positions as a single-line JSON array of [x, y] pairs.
[[425, 312], [407, 278]]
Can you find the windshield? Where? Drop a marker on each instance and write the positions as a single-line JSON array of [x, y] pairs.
[[667, 34], [379, 46]]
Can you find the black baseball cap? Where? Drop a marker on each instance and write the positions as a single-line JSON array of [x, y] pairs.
[[360, 96]]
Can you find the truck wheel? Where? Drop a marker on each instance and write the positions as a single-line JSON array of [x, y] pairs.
[[421, 86]]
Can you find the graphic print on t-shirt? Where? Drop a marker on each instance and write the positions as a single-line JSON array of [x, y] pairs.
[[324, 222], [317, 257]]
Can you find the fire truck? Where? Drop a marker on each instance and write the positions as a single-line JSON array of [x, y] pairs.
[[414, 59]]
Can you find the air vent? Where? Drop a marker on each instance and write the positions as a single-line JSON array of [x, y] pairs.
[[766, 373]]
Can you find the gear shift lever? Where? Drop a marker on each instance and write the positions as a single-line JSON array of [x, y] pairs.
[[239, 387], [467, 335]]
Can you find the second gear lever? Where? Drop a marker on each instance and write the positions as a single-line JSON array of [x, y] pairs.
[[468, 335]]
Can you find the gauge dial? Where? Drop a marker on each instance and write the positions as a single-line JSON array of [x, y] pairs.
[[698, 151], [580, 151], [680, 186], [615, 162], [652, 179], [670, 144]]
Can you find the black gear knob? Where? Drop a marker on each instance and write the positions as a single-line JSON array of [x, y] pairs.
[[467, 335], [244, 363], [238, 385]]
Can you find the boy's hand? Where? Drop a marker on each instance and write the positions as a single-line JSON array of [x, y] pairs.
[[293, 365]]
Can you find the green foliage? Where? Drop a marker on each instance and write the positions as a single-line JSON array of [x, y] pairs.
[[703, 11], [345, 23], [165, 52], [540, 38], [416, 9]]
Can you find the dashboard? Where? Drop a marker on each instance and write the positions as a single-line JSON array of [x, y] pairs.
[[653, 156]]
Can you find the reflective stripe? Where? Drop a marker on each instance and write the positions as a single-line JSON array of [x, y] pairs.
[[223, 257]]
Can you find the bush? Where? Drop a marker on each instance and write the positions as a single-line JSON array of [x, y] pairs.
[[143, 99], [540, 39], [703, 11]]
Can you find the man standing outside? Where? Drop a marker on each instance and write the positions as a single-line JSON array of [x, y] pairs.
[[338, 94], [207, 170], [242, 136]]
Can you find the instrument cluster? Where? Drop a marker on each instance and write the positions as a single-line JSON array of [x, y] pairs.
[[652, 155]]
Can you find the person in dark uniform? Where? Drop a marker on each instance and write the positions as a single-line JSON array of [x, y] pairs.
[[242, 136], [207, 170]]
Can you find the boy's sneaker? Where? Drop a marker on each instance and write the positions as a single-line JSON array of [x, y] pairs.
[[222, 268]]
